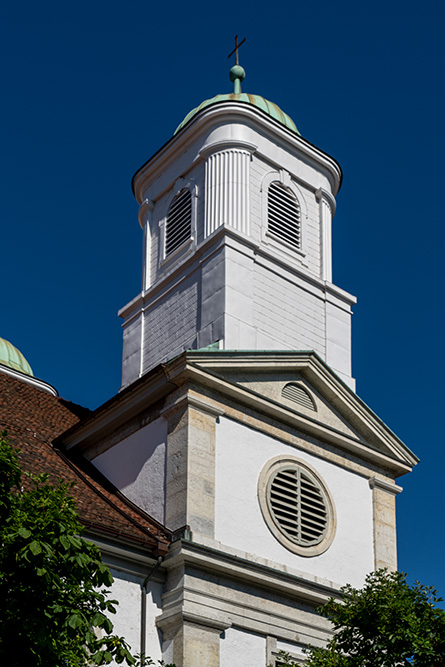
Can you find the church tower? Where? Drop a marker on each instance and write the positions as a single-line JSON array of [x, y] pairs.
[[237, 427], [236, 211]]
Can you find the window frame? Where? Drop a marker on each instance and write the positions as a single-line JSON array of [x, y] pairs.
[[284, 225], [284, 178], [189, 244], [268, 473], [297, 401]]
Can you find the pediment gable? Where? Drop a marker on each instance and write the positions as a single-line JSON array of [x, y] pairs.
[[294, 391], [300, 388]]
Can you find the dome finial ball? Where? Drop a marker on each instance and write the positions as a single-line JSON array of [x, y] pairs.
[[237, 72]]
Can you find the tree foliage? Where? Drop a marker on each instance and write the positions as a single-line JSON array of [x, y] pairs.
[[386, 623], [54, 610]]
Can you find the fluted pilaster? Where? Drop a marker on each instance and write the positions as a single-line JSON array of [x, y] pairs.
[[227, 190], [327, 209]]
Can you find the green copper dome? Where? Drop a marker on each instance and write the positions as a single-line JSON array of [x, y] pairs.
[[237, 74], [10, 356]]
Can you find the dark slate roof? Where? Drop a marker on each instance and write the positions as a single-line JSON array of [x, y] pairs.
[[33, 418]]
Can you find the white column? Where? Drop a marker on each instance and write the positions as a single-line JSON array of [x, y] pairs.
[[145, 221], [327, 209], [227, 190]]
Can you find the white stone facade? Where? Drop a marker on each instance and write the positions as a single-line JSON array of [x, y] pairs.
[[192, 441], [241, 453], [233, 284]]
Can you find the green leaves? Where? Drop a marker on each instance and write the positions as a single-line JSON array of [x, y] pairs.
[[384, 624], [50, 578], [24, 532], [76, 620], [35, 548]]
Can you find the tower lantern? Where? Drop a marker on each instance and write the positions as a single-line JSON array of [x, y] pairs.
[[236, 210]]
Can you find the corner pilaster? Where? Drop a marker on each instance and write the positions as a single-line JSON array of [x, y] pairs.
[[384, 510], [190, 465]]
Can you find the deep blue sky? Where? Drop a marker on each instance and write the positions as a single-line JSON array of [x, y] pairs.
[[91, 90]]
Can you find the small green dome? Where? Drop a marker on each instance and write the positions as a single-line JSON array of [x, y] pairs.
[[10, 356], [237, 74], [255, 100]]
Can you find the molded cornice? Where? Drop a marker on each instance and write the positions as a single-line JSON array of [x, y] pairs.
[[253, 572], [377, 444], [225, 114]]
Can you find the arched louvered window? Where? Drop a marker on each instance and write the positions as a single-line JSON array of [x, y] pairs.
[[297, 394], [179, 221], [283, 214], [296, 506]]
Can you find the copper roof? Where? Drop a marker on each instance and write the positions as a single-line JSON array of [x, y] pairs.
[[33, 419]]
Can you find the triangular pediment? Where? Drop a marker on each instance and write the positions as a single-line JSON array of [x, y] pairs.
[[299, 388], [294, 391]]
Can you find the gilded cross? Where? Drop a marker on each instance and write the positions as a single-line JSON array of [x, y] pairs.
[[235, 50]]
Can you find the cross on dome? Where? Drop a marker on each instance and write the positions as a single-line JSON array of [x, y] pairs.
[[235, 50], [237, 73]]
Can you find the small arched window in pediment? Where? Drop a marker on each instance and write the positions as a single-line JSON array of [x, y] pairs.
[[296, 393], [179, 221], [283, 214]]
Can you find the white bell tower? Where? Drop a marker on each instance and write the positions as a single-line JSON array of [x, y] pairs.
[[236, 211]]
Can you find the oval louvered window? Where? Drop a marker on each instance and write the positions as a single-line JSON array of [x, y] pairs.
[[283, 214], [297, 506], [179, 221], [297, 394]]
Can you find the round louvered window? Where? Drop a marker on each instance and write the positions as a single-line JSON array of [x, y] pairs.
[[297, 506]]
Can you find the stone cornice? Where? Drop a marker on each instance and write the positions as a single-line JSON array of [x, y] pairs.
[[226, 235], [169, 620], [226, 113], [206, 369], [247, 397], [262, 574], [376, 482]]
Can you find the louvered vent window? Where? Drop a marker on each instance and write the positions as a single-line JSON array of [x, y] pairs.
[[283, 214], [294, 392], [298, 506], [179, 221]]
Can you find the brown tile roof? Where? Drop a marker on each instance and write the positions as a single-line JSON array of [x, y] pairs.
[[33, 419]]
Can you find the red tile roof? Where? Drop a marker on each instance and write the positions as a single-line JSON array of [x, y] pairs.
[[33, 419]]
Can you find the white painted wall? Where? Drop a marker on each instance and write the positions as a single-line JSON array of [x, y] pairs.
[[241, 453], [126, 589], [242, 649], [136, 466]]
